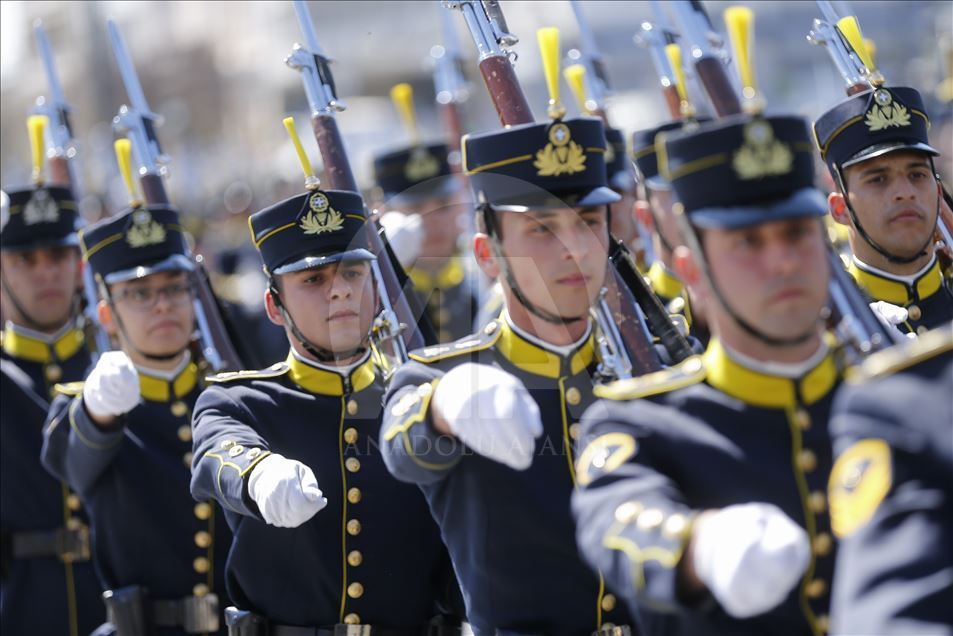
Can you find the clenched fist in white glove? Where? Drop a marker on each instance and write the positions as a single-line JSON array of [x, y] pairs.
[[286, 491], [112, 388], [405, 233], [749, 556], [491, 412], [891, 315]]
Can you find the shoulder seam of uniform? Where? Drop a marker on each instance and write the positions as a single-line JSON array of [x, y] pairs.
[[903, 356], [471, 343], [689, 371], [275, 370]]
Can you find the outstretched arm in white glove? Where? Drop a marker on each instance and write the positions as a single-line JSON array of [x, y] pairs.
[[285, 490], [490, 411], [111, 389], [749, 556]]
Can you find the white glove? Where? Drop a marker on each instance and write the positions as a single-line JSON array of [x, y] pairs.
[[285, 490], [112, 387], [491, 412], [749, 556], [405, 233], [891, 315]]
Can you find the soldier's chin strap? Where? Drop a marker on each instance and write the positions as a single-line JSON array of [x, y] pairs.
[[893, 258], [33, 323], [492, 229], [320, 353]]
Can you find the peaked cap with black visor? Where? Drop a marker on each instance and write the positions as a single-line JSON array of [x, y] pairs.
[[535, 166], [136, 243], [308, 231], [870, 125]]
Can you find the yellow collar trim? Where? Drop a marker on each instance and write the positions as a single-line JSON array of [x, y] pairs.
[[664, 282], [23, 346], [880, 286], [538, 361], [325, 382], [156, 389], [767, 391], [450, 275]]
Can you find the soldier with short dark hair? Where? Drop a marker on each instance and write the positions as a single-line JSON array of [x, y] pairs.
[[47, 584]]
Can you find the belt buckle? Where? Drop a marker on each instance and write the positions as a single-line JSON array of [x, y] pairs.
[[613, 630], [200, 614], [72, 543], [352, 630]]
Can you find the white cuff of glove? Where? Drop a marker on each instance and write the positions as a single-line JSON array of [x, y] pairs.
[[285, 490], [750, 556], [491, 412], [112, 387]]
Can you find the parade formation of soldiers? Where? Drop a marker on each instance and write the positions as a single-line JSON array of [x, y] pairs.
[[548, 379]]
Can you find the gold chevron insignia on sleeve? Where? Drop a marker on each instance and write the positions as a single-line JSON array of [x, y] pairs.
[[71, 389], [689, 371], [859, 481], [604, 455]]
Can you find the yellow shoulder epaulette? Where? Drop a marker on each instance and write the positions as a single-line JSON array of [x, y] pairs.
[[71, 389], [482, 339], [903, 356], [275, 370], [689, 371]]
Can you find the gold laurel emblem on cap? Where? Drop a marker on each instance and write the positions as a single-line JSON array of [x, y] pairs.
[[421, 165], [144, 230], [561, 155], [322, 217], [885, 113], [762, 155], [41, 208], [859, 481]]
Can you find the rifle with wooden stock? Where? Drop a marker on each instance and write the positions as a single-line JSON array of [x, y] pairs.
[[398, 326], [633, 353], [138, 122]]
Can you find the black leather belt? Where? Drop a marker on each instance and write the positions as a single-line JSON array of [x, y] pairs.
[[67, 544], [196, 614]]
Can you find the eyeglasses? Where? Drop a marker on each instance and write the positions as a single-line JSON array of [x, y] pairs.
[[145, 298]]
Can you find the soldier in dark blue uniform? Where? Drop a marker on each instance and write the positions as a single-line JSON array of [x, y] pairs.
[[123, 438], [47, 585], [876, 147], [708, 500], [324, 538], [654, 209], [891, 494], [423, 201], [486, 425]]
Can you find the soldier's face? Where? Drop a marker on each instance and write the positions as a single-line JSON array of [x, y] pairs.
[[332, 306], [558, 257], [774, 276], [623, 219], [441, 224], [895, 197], [661, 202], [156, 313], [42, 282]]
